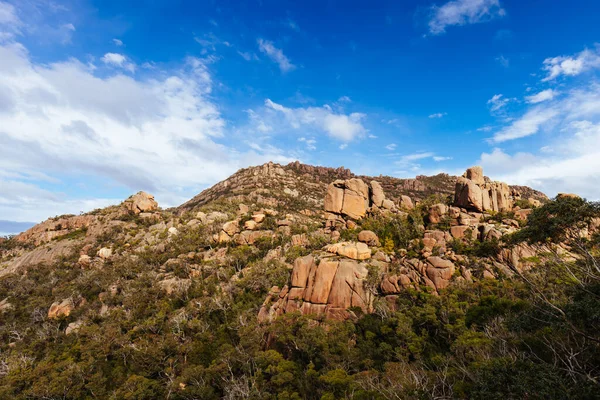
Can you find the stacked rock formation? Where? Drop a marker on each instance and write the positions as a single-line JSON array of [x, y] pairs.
[[476, 193], [353, 198], [320, 287]]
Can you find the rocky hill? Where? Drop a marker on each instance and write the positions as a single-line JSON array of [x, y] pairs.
[[285, 278]]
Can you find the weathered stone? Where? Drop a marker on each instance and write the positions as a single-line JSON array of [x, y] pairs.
[[243, 209], [73, 327], [140, 202], [377, 196], [347, 288], [334, 198], [104, 253], [440, 271], [61, 309], [300, 240], [250, 225], [468, 195], [437, 212], [231, 227], [406, 202], [388, 205], [323, 279], [301, 271], [368, 237], [356, 251], [476, 175], [84, 260], [458, 232], [354, 205]]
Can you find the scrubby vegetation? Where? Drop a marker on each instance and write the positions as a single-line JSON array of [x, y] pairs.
[[532, 337]]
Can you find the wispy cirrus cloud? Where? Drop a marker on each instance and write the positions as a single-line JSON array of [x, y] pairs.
[[276, 55], [463, 12], [437, 115]]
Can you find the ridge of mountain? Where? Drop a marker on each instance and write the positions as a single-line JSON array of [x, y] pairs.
[[311, 182]]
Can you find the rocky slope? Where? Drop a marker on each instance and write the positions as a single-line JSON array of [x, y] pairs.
[[301, 209], [236, 293]]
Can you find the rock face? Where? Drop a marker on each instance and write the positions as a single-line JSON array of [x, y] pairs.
[[55, 227], [349, 198], [140, 202], [353, 198], [355, 251], [324, 287], [473, 192]]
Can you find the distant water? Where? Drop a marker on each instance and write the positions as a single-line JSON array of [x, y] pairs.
[[13, 228]]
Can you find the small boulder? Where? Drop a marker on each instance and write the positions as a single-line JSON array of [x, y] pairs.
[[368, 237], [61, 309], [437, 212], [231, 227], [73, 327], [84, 260], [406, 202], [250, 225], [104, 253]]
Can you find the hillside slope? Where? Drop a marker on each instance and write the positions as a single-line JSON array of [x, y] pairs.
[[302, 282]]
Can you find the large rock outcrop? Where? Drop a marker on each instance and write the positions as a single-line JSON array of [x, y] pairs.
[[476, 193], [320, 287], [353, 198], [55, 227], [140, 202]]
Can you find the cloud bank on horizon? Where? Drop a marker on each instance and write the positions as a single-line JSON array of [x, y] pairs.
[[95, 107]]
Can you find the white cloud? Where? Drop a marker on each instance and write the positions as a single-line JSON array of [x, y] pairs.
[[118, 60], [248, 56], [438, 115], [571, 65], [310, 143], [439, 158], [463, 12], [529, 124], [118, 42], [542, 96], [504, 61], [344, 99], [343, 146], [8, 16], [497, 103], [276, 55], [391, 146], [60, 120], [417, 156], [210, 41], [337, 125]]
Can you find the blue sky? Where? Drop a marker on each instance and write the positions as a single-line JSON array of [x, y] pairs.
[[100, 99]]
